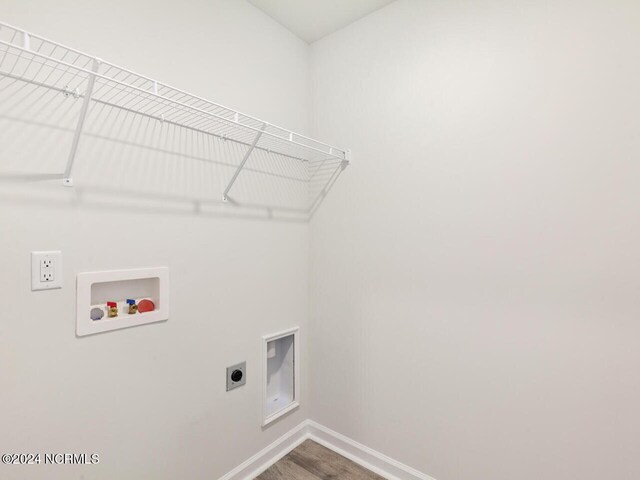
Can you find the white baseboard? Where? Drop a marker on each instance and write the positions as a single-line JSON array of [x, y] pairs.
[[354, 451], [362, 455], [262, 460]]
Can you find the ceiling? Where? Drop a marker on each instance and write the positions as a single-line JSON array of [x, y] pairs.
[[313, 19]]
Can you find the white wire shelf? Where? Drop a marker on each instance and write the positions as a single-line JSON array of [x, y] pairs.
[[89, 100]]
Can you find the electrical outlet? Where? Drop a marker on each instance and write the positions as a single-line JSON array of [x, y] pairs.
[[46, 270]]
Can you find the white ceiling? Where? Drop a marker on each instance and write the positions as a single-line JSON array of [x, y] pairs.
[[313, 19]]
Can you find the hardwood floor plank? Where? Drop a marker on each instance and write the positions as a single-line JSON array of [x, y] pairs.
[[286, 469], [329, 465], [311, 461]]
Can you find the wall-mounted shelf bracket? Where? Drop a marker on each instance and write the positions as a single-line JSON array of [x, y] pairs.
[[67, 181], [225, 197]]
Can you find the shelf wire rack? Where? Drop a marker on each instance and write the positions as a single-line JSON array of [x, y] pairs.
[[93, 105]]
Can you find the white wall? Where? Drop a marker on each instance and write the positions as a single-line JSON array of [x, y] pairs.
[[474, 272], [473, 286], [151, 400]]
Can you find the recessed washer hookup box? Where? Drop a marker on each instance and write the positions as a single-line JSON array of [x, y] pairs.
[[116, 299]]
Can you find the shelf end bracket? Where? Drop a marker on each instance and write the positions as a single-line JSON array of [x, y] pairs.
[[67, 180], [225, 197]]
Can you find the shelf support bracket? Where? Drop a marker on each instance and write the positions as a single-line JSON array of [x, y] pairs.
[[225, 197], [67, 181]]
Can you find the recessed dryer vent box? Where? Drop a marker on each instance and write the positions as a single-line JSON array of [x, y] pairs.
[[281, 373], [97, 290]]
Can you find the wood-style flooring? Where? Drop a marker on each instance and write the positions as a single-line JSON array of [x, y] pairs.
[[311, 461]]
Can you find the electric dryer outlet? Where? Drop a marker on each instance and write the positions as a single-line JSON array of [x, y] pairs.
[[236, 375]]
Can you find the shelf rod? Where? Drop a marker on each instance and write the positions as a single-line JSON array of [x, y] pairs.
[[146, 115], [183, 105], [67, 181], [107, 64], [225, 198]]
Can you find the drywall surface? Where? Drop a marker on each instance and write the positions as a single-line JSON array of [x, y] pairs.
[[151, 400], [474, 272]]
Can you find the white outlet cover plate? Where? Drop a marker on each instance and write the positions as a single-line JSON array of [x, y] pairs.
[[36, 259]]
